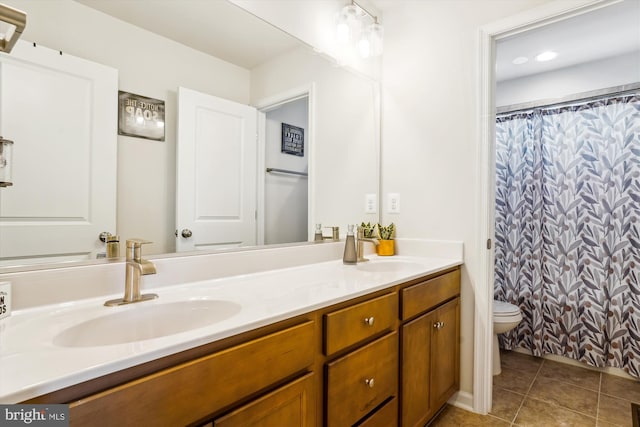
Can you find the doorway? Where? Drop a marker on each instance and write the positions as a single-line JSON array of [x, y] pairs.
[[286, 173], [483, 332], [286, 156]]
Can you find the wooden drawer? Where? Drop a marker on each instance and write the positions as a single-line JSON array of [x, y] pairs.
[[387, 416], [350, 393], [358, 322], [193, 390], [291, 405], [423, 296]]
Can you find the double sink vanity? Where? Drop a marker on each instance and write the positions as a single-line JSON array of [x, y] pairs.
[[311, 344]]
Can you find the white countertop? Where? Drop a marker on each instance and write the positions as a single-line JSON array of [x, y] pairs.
[[32, 365]]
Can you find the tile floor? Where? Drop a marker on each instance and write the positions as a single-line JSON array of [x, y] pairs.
[[532, 391]]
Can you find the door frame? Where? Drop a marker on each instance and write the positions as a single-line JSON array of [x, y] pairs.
[[483, 318], [263, 106]]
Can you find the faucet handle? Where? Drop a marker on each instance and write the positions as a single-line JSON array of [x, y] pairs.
[[137, 243]]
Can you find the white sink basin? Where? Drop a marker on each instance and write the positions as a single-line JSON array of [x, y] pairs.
[[141, 322], [388, 266]]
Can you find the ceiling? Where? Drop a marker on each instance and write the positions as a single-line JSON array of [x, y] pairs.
[[211, 26], [606, 32], [216, 27]]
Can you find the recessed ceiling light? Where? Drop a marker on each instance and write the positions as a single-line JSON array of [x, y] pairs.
[[520, 60], [546, 56]]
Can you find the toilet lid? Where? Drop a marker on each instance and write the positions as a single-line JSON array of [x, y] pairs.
[[501, 308]]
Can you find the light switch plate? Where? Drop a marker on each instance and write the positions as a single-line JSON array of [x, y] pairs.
[[5, 299], [370, 203], [393, 203]]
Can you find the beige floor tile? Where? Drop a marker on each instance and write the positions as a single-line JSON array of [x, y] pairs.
[[536, 413], [520, 361], [621, 387], [615, 411], [575, 375], [514, 380], [456, 417], [566, 395], [505, 403], [600, 423]]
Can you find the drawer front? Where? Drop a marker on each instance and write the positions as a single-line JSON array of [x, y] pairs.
[[358, 322], [191, 391], [387, 416], [360, 381], [423, 296], [291, 405]]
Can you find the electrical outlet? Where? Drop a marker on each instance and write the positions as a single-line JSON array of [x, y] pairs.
[[5, 299], [393, 203], [370, 203]]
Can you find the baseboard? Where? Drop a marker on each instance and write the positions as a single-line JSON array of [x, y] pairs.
[[462, 400]]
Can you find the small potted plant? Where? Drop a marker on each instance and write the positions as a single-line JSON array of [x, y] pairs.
[[386, 245], [367, 230]]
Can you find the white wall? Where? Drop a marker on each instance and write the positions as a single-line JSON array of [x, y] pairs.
[[286, 195], [148, 65], [615, 71], [343, 135], [429, 127]]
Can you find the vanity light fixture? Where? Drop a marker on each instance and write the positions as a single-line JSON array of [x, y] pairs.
[[358, 27], [6, 151], [12, 23], [546, 56]]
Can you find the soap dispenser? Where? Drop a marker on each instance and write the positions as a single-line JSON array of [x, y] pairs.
[[350, 256]]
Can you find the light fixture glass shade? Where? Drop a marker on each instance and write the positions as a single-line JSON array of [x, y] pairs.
[[348, 24], [371, 41], [6, 161], [376, 38]]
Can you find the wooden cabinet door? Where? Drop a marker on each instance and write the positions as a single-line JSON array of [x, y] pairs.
[[291, 405], [445, 352], [430, 363], [416, 358]]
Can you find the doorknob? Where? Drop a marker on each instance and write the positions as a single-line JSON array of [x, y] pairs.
[[186, 233]]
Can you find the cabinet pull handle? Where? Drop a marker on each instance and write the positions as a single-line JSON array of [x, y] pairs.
[[369, 321], [438, 325], [370, 382]]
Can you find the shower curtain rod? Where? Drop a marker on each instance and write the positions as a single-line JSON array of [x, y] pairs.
[[569, 99]]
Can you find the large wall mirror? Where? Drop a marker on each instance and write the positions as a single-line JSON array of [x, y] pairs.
[[217, 49]]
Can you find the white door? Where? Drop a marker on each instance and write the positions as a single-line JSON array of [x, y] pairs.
[[216, 172], [61, 113]]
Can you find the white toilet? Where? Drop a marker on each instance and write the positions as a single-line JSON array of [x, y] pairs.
[[505, 317]]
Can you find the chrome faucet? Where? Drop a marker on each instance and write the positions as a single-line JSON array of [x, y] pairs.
[[361, 241], [136, 267]]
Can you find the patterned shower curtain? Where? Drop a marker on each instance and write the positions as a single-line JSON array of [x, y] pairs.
[[568, 230]]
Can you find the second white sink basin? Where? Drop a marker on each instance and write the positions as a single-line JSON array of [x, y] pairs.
[[388, 266], [136, 323]]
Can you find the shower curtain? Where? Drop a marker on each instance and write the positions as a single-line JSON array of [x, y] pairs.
[[567, 239]]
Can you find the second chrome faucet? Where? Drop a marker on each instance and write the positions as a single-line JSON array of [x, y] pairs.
[[135, 268]]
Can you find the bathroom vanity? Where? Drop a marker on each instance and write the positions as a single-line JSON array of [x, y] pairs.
[[374, 345]]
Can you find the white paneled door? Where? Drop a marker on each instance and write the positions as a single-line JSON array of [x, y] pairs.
[[216, 172], [61, 113]]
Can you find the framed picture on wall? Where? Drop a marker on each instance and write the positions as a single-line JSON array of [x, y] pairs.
[[140, 116], [292, 140]]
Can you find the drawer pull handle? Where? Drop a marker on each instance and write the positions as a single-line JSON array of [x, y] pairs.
[[370, 382], [369, 321], [438, 325]]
